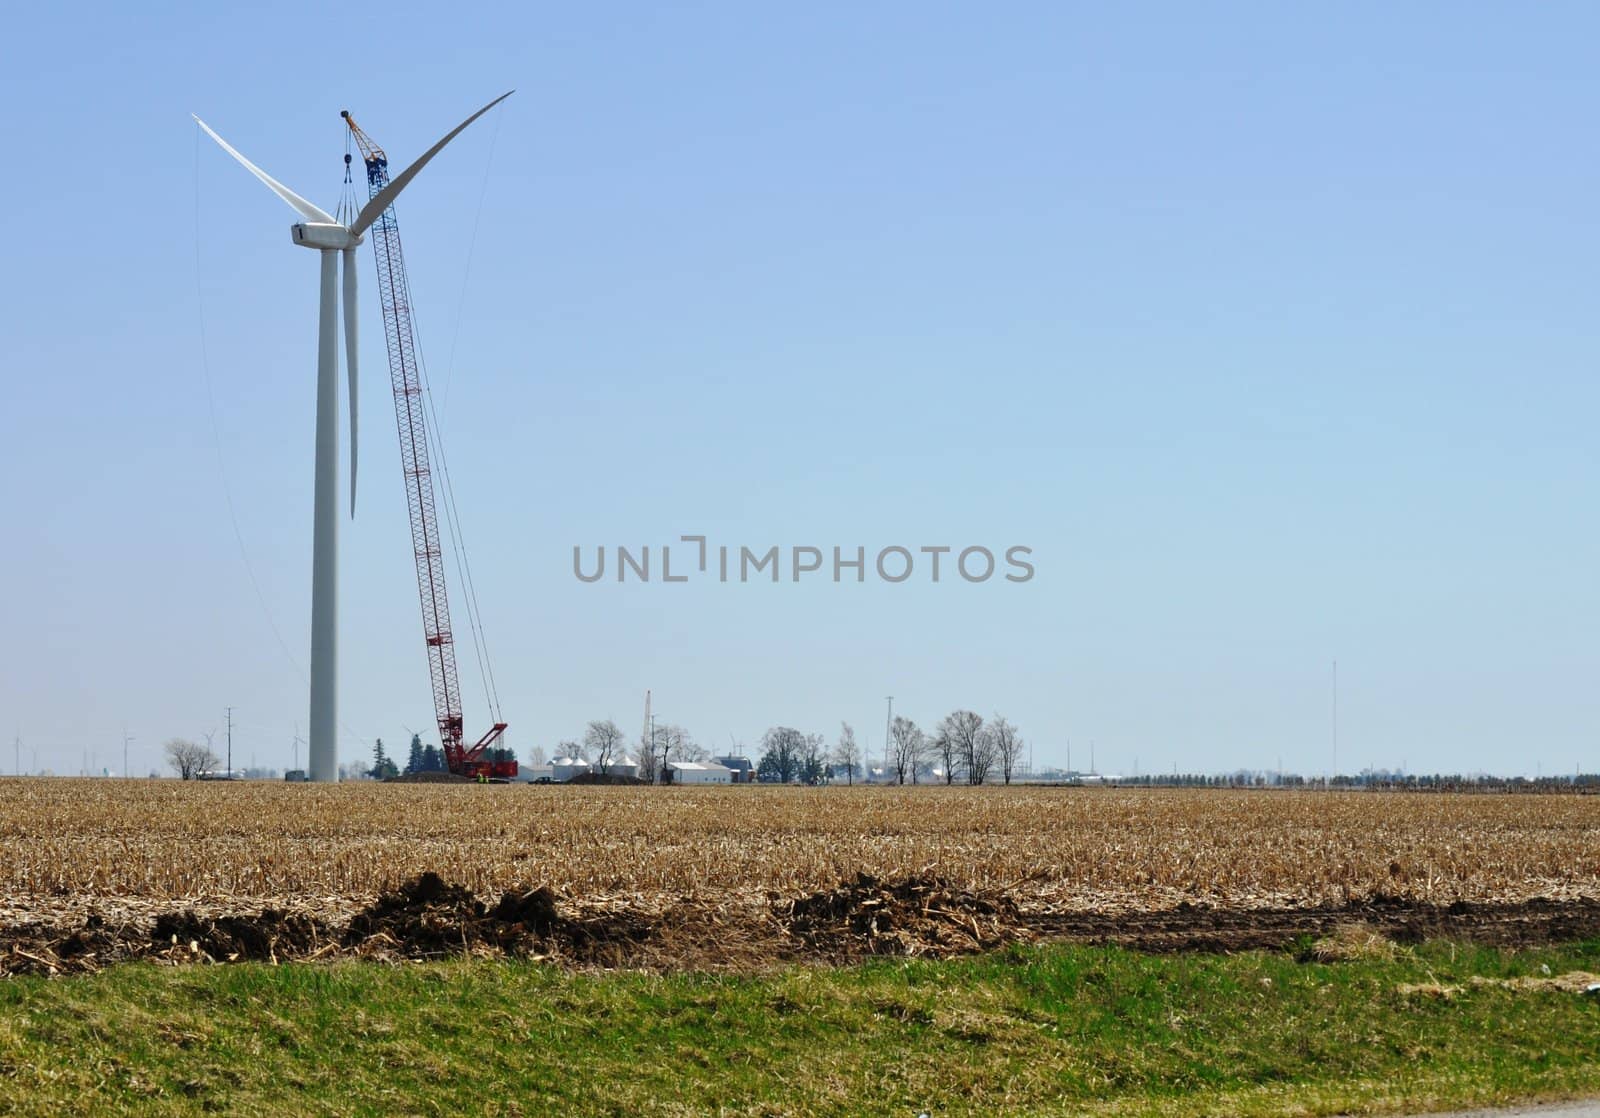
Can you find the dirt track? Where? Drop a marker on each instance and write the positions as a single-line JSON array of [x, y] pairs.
[[429, 918]]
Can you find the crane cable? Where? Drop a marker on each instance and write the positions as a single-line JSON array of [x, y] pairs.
[[452, 516], [472, 244], [434, 434]]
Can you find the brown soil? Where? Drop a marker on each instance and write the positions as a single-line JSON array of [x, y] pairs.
[[269, 935], [917, 916], [430, 918]]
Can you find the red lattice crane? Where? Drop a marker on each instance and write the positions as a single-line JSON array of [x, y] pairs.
[[482, 759]]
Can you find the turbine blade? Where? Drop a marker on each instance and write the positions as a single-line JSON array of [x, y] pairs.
[[351, 344], [304, 208], [373, 209]]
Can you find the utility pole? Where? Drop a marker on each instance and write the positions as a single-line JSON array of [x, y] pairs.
[[1335, 724], [126, 772], [888, 731], [16, 763], [650, 729], [230, 743]]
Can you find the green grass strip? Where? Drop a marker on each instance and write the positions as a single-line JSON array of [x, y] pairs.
[[1048, 1030]]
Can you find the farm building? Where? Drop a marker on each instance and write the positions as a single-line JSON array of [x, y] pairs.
[[741, 768], [695, 772], [623, 765], [564, 769]]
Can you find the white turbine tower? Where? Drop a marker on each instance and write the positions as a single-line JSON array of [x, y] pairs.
[[324, 233]]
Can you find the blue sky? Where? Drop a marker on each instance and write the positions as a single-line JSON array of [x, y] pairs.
[[1269, 330]]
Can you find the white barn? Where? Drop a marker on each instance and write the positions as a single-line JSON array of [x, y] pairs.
[[696, 772]]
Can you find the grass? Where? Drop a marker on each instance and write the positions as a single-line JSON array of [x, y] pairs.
[[1049, 1030]]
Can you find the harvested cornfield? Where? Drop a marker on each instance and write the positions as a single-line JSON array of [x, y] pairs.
[[1079, 847], [1048, 858]]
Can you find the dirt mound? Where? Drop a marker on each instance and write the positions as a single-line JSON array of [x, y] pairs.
[[268, 936], [428, 917], [39, 949], [183, 936], [914, 916]]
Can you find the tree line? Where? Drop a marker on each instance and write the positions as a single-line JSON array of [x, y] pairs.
[[962, 748]]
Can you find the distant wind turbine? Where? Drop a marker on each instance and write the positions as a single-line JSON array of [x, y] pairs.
[[321, 231]]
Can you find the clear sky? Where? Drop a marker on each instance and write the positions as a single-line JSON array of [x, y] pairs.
[[1269, 330]]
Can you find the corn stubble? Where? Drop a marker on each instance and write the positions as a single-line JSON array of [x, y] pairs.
[[1055, 848]]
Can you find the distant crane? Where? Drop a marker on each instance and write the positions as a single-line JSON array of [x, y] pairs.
[[482, 759]]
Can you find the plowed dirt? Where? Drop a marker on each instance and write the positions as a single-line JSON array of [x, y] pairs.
[[430, 918]]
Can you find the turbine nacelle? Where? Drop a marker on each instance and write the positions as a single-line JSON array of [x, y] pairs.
[[317, 234]]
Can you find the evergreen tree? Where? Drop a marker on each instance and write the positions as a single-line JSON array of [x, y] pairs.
[[382, 767], [414, 763], [432, 760]]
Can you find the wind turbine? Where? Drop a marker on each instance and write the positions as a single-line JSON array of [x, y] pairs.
[[321, 231]]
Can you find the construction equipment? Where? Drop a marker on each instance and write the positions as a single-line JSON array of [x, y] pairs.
[[482, 760]]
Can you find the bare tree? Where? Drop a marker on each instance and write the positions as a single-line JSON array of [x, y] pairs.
[[537, 757], [982, 756], [602, 740], [962, 746], [685, 748], [647, 757], [847, 754], [906, 745], [1007, 745], [675, 744], [188, 759], [946, 751]]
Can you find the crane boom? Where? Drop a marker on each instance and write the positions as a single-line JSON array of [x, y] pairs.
[[405, 376]]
